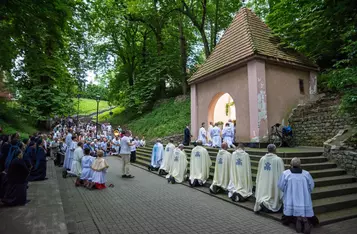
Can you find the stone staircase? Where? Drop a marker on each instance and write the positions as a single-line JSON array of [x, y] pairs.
[[334, 196]]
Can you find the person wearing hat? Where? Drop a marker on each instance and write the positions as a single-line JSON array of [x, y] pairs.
[[268, 197]]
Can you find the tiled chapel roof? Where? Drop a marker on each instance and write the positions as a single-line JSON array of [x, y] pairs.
[[247, 36]]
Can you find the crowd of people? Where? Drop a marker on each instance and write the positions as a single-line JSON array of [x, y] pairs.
[[214, 136], [21, 161], [275, 189], [81, 151]]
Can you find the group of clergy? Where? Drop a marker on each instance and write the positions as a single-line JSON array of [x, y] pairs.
[[20, 162], [214, 136], [274, 186]]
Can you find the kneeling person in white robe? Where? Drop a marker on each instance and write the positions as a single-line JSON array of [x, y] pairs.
[[156, 156], [268, 196], [228, 134], [87, 172], [179, 166], [297, 185], [200, 164], [216, 136], [240, 183], [221, 170], [168, 158]]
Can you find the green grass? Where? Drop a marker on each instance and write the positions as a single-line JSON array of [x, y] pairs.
[[89, 106], [168, 118], [23, 129], [105, 116]]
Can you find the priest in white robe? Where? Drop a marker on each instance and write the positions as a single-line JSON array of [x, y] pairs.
[[200, 163], [178, 169], [240, 184], [202, 134], [267, 194], [168, 158], [297, 185], [227, 134], [68, 142], [216, 136], [221, 170], [231, 125], [157, 155]]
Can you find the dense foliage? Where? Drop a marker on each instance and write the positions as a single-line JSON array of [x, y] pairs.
[[325, 31], [41, 53], [145, 50]]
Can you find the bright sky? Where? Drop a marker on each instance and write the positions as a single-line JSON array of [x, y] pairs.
[[91, 77]]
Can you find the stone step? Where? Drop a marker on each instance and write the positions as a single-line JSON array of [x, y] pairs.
[[337, 208], [334, 191], [314, 159], [334, 203], [337, 215], [329, 180], [210, 150]]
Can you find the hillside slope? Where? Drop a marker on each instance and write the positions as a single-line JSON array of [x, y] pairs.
[[168, 117]]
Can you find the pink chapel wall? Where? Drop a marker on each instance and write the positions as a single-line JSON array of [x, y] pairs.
[[283, 92], [235, 83]]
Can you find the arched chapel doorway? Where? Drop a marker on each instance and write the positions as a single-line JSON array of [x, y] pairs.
[[222, 108]]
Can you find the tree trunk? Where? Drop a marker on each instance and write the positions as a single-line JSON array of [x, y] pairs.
[[183, 50], [215, 32], [205, 41]]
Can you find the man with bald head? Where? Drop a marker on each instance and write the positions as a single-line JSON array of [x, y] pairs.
[[297, 185], [268, 197], [221, 170]]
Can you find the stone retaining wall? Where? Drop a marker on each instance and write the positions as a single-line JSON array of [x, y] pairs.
[[342, 150], [315, 122]]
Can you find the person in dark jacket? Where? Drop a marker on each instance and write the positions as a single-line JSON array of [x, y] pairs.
[[187, 136], [39, 167], [16, 186]]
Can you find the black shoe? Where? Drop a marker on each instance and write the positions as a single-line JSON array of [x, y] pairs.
[[213, 190], [168, 180], [124, 176], [240, 198], [130, 176], [195, 183], [298, 226], [149, 168], [235, 197], [306, 225], [64, 174]]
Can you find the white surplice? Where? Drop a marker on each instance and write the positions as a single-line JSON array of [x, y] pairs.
[[222, 170], [157, 155], [179, 166], [227, 134], [297, 188], [200, 163], [216, 136], [168, 157], [202, 135], [241, 175], [209, 138], [76, 168], [267, 192]]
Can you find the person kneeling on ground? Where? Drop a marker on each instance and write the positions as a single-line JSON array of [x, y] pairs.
[[87, 172], [99, 167], [38, 171], [221, 170], [268, 197], [200, 163], [156, 156], [178, 169], [168, 158], [16, 186], [297, 185], [240, 184]]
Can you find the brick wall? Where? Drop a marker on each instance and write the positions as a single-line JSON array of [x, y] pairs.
[[315, 122]]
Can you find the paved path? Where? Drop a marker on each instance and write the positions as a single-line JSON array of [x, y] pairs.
[[147, 204]]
